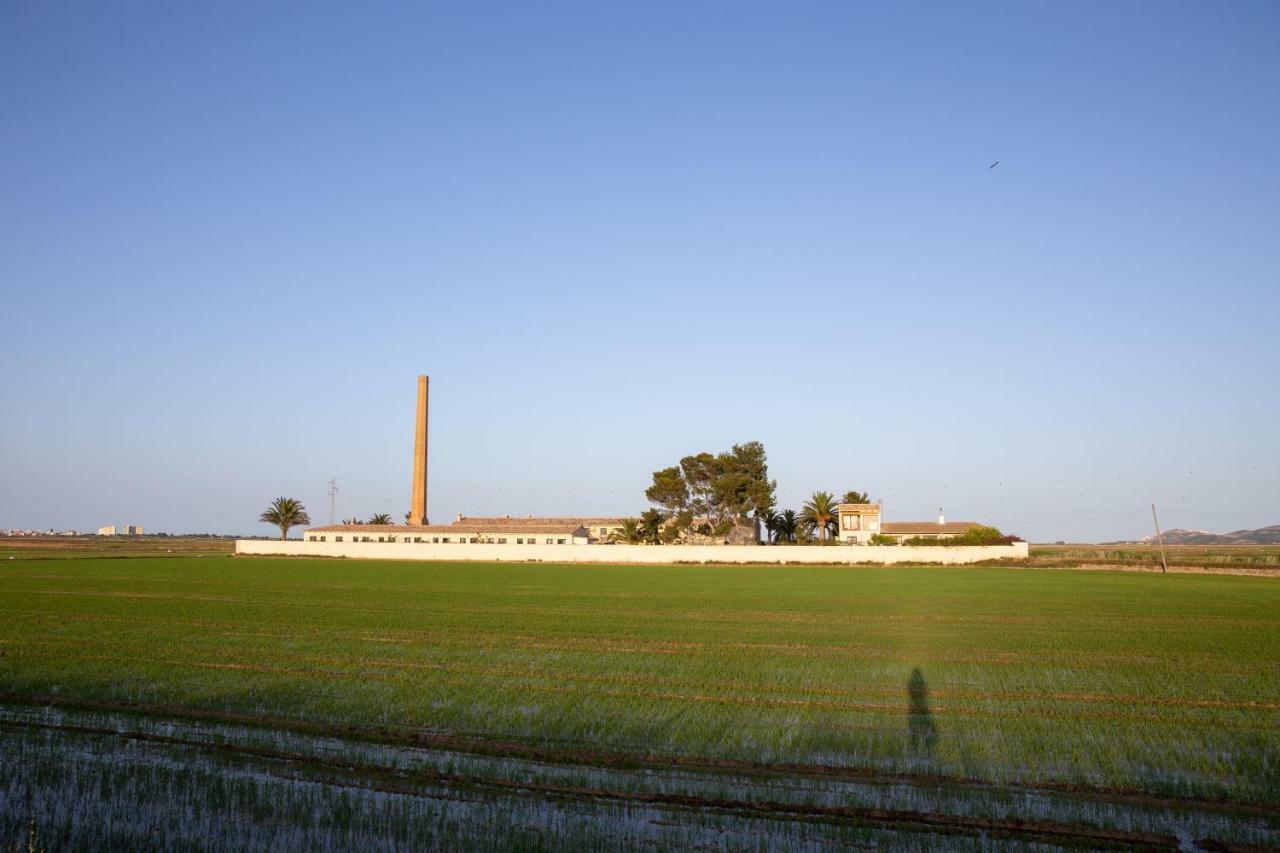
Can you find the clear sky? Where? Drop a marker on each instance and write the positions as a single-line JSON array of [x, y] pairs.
[[231, 235]]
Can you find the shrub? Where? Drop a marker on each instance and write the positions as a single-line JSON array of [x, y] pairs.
[[881, 539], [980, 535]]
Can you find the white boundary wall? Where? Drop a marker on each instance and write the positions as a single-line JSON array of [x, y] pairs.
[[799, 554]]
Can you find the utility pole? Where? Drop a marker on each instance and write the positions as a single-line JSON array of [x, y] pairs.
[[1164, 564], [333, 500]]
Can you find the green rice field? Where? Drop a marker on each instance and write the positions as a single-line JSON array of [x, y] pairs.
[[536, 705]]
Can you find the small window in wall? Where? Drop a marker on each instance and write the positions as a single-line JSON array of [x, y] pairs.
[[446, 539], [337, 539], [519, 540], [559, 541], [551, 541], [502, 541]]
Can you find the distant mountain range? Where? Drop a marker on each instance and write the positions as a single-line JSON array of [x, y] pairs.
[[1261, 536]]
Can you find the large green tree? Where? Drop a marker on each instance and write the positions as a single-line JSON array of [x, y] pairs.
[[819, 515], [285, 513], [651, 525], [721, 490], [669, 490]]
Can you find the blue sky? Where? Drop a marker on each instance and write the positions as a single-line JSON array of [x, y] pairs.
[[231, 235]]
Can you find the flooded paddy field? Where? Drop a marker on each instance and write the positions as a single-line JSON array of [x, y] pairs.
[[227, 703]]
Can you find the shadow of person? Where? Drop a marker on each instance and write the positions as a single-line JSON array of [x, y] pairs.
[[920, 723]]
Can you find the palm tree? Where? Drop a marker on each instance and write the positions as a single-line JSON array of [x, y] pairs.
[[285, 513], [631, 532], [819, 515], [381, 518], [354, 521], [785, 526], [769, 519], [855, 497]]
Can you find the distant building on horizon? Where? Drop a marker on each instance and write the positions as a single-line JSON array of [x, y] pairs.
[[124, 530]]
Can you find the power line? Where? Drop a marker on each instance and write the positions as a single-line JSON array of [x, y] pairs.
[[1215, 512]]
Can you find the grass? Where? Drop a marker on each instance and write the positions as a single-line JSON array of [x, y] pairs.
[[1113, 682], [64, 547], [1252, 559]]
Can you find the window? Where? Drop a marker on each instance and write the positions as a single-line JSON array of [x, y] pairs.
[[502, 541], [519, 540], [446, 539], [559, 541], [322, 539], [337, 539], [851, 522], [417, 539], [551, 541]]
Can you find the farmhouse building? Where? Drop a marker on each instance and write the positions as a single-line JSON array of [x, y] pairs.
[[599, 528], [859, 522], [453, 534]]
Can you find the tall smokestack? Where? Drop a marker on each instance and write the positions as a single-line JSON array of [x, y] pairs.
[[418, 511]]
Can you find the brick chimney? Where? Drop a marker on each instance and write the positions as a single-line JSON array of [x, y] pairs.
[[418, 508]]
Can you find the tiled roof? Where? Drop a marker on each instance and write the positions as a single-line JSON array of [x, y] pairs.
[[921, 528], [514, 522], [467, 527], [383, 528]]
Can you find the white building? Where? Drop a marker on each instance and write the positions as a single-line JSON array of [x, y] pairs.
[[599, 528], [125, 530], [488, 532], [859, 522]]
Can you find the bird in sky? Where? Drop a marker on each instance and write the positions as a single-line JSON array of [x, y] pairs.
[[993, 165]]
